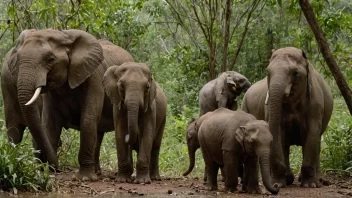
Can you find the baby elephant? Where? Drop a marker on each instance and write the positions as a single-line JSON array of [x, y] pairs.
[[139, 117], [228, 138]]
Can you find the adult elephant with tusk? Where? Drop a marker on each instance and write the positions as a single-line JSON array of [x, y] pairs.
[[297, 103], [65, 69]]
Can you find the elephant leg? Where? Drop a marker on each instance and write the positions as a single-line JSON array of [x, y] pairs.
[[223, 174], [251, 174], [212, 173], [91, 110], [52, 122], [211, 170], [100, 137], [311, 152], [240, 172], [289, 174], [231, 164], [144, 154], [154, 164], [124, 152]]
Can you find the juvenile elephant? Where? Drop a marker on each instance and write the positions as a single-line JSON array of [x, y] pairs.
[[229, 138], [193, 143], [65, 69], [222, 92], [139, 117], [297, 103]]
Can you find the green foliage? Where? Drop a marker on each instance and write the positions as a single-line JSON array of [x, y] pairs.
[[337, 141], [174, 158], [20, 170]]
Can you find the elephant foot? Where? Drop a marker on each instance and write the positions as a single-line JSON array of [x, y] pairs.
[[279, 182], [310, 183], [213, 187], [85, 174], [230, 189], [289, 178], [142, 179], [123, 178], [155, 177], [98, 170], [254, 190], [308, 179]]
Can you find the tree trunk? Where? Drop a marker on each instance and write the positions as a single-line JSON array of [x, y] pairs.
[[227, 34], [325, 50]]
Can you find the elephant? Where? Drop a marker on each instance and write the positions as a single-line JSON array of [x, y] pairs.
[[229, 138], [222, 92], [193, 143], [65, 70], [139, 108], [297, 103]]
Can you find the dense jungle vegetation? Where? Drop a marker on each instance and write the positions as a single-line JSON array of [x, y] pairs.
[[186, 43]]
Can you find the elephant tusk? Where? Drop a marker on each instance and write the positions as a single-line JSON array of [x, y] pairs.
[[267, 98], [35, 96]]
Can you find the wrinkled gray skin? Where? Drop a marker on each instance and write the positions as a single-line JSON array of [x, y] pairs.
[[222, 92], [193, 143], [298, 109], [229, 138], [68, 66], [139, 116]]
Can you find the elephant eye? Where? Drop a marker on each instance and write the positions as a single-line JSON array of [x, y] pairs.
[[295, 73], [241, 80], [51, 60]]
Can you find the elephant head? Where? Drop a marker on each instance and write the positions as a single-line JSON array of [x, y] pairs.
[[131, 86], [255, 139], [192, 144], [46, 60], [231, 82], [288, 81]]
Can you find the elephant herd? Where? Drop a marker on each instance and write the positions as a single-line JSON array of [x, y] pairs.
[[292, 105], [69, 79]]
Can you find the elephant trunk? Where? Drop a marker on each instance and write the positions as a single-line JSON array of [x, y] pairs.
[[132, 116], [265, 171], [26, 84], [191, 153], [276, 94]]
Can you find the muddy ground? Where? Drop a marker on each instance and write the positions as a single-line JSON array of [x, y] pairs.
[[337, 186]]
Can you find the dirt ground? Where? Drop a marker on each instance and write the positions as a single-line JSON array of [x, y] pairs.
[[336, 186]]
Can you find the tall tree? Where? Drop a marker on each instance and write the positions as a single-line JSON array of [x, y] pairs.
[[325, 50]]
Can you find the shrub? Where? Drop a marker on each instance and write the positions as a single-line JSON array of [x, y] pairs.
[[19, 169]]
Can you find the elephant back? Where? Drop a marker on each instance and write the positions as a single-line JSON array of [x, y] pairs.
[[113, 54], [254, 99]]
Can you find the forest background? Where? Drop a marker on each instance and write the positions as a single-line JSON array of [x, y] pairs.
[[186, 43]]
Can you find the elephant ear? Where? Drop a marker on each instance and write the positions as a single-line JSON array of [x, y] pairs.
[[239, 135], [110, 85], [221, 82], [309, 67], [86, 54], [152, 93], [13, 55]]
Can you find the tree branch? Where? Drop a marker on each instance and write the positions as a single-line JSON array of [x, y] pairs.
[[254, 6]]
